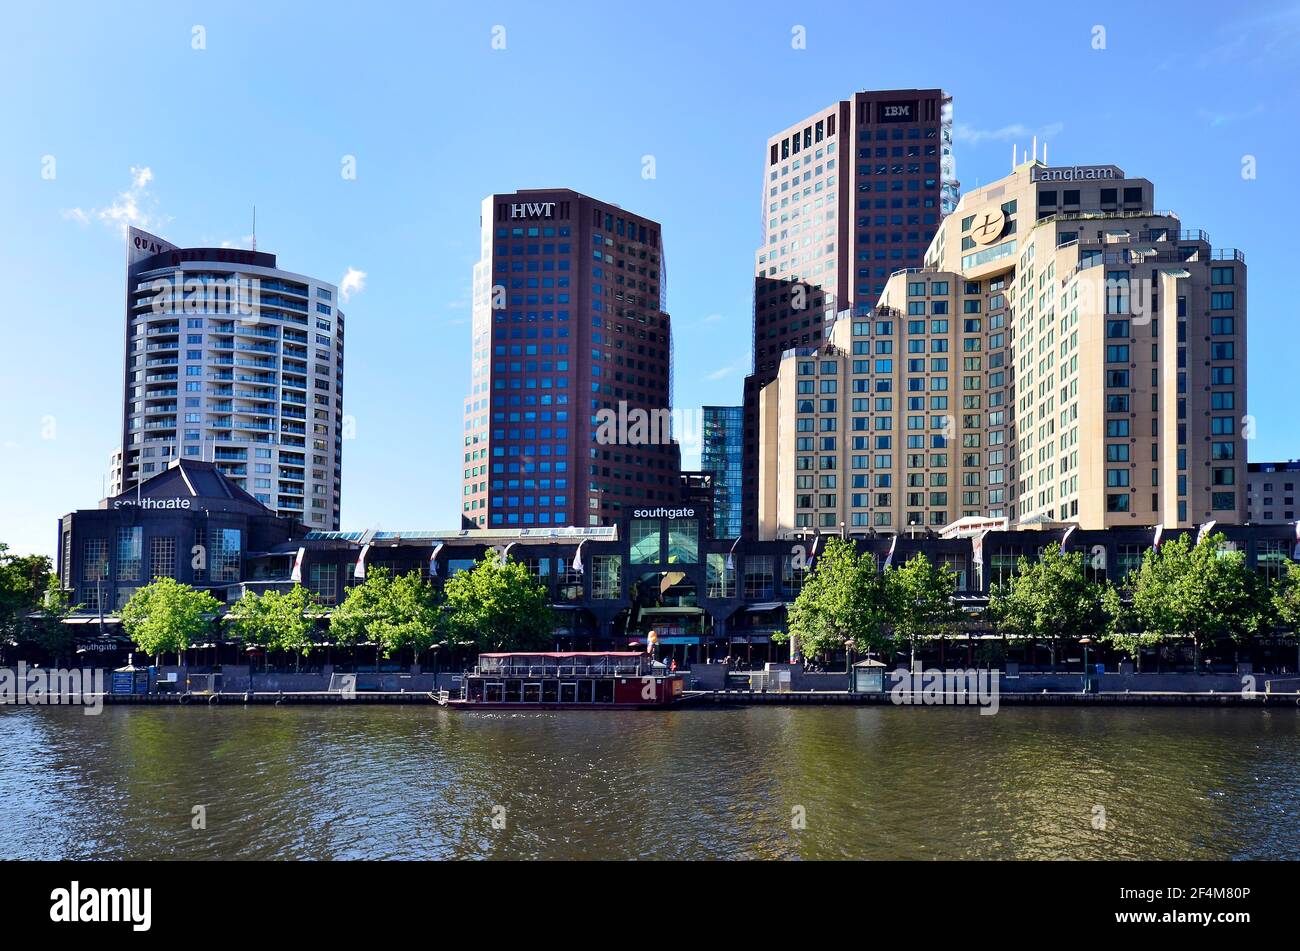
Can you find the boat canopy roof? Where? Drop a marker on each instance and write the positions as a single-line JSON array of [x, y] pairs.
[[561, 654]]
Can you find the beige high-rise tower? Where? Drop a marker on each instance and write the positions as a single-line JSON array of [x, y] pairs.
[[1067, 353]]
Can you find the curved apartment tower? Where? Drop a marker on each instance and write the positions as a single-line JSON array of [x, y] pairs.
[[231, 360]]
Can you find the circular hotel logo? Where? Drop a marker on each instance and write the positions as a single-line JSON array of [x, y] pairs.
[[988, 227]]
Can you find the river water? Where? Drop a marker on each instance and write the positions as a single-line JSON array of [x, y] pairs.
[[765, 782]]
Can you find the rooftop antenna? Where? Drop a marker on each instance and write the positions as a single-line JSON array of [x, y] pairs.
[[1044, 153], [1035, 148], [254, 227], [1013, 156]]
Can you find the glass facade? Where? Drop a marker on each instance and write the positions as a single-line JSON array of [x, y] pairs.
[[722, 455]]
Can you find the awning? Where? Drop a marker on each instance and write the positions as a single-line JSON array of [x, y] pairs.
[[751, 639], [765, 606], [678, 639]]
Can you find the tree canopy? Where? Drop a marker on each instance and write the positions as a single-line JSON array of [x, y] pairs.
[[277, 620], [1050, 599], [167, 616], [920, 599], [392, 611], [499, 606], [1203, 592], [843, 599]]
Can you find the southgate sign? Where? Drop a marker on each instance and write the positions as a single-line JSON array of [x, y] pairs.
[[663, 513], [533, 209], [152, 503], [1074, 173]]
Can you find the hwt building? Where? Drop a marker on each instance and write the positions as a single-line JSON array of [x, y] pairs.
[[569, 320]]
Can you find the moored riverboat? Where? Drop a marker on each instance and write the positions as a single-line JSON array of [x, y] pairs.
[[577, 680]]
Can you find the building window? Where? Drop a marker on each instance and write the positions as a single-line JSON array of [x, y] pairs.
[[606, 577], [224, 558], [792, 576], [1271, 558], [721, 580], [162, 558], [130, 554], [644, 534], [758, 576], [1130, 559], [323, 582], [94, 559], [683, 541]]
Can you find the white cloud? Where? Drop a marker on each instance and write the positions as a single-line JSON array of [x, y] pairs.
[[135, 207], [740, 366], [712, 318], [353, 283], [962, 132]]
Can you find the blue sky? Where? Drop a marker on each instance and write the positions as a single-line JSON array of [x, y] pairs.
[[437, 119]]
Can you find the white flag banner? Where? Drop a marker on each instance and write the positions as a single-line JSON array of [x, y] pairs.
[[577, 557], [1204, 530], [433, 560], [296, 575], [731, 556], [1066, 537], [889, 558], [1160, 530], [360, 571]]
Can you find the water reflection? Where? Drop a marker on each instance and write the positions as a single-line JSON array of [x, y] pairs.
[[417, 782]]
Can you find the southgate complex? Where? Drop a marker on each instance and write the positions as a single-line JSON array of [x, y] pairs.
[[1049, 357]]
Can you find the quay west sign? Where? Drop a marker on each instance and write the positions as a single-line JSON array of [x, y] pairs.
[[533, 209], [152, 503], [1074, 173]]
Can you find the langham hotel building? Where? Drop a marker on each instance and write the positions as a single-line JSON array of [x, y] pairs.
[[1066, 353]]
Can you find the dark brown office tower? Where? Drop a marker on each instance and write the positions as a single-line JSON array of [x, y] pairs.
[[567, 418], [851, 194]]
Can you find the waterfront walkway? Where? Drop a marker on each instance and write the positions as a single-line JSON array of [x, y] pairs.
[[718, 698]]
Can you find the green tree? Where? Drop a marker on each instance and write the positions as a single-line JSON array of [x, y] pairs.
[[278, 620], [843, 600], [499, 606], [1199, 592], [392, 611], [1123, 631], [33, 606], [919, 597], [167, 616], [1286, 603], [1050, 599]]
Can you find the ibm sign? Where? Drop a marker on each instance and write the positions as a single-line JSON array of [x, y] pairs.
[[896, 112]]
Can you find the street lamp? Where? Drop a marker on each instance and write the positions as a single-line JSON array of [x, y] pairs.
[[1085, 641]]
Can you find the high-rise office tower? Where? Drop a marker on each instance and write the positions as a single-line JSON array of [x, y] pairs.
[[567, 421], [1066, 354], [722, 455], [851, 194], [232, 360]]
